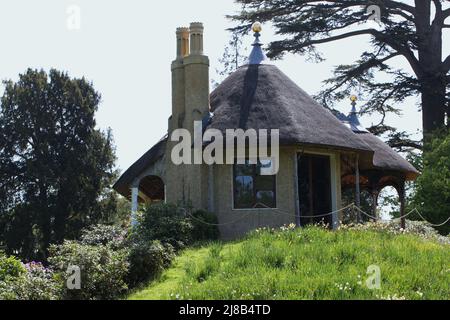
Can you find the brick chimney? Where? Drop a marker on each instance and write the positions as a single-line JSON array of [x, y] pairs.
[[190, 102], [190, 79], [177, 119]]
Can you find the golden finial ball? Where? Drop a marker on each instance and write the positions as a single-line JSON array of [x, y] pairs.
[[257, 27], [354, 98]]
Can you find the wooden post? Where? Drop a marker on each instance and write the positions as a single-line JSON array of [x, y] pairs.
[[375, 194], [297, 196], [134, 205], [211, 189], [402, 196], [311, 188], [357, 188]]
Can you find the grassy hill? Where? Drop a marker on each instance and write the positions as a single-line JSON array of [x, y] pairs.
[[310, 263]]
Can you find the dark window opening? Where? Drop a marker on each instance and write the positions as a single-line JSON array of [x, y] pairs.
[[251, 189], [314, 180]]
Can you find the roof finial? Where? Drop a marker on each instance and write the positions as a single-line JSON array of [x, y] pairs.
[[353, 120], [257, 56], [353, 99]]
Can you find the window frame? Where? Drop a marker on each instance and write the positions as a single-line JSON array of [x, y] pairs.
[[233, 167]]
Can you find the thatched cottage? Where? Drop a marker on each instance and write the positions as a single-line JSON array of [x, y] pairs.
[[320, 155]]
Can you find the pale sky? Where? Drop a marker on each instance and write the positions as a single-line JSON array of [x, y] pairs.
[[125, 48]]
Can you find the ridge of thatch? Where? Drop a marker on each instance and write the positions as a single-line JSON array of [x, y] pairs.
[[263, 97]]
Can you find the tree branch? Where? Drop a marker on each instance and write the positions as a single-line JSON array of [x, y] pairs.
[[446, 13], [339, 37], [406, 143], [405, 51], [400, 5]]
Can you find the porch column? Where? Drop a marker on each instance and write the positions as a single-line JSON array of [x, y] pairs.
[[357, 188], [134, 205], [375, 194], [296, 190], [402, 196], [211, 189]]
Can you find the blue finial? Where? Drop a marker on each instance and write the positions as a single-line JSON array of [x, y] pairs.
[[257, 55], [353, 120]]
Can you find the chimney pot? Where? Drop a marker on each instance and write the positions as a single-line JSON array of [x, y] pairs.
[[182, 42], [196, 32]]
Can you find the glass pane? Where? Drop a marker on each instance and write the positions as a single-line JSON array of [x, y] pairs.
[[243, 192], [244, 170], [265, 183], [266, 199], [251, 188]]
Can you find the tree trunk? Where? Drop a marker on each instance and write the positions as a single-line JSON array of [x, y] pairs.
[[433, 104], [431, 78], [45, 222]]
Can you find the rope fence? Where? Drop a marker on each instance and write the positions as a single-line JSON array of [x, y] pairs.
[[350, 206]]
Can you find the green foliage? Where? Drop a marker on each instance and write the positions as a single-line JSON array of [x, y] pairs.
[[55, 166], [103, 270], [31, 281], [433, 186], [348, 197], [39, 283], [10, 267], [166, 223], [204, 226], [147, 260], [303, 25], [104, 235], [310, 263], [231, 59], [175, 225], [202, 271], [418, 228], [162, 229], [110, 262]]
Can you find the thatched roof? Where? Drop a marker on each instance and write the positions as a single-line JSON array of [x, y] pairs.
[[260, 96], [122, 186], [386, 161], [386, 158], [263, 97]]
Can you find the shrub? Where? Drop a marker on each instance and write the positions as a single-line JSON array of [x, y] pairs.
[[204, 226], [433, 186], [8, 290], [147, 260], [39, 283], [166, 223], [104, 235], [175, 225], [103, 270], [10, 267], [31, 281], [11, 271]]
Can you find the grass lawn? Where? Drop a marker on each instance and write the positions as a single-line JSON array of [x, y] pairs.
[[311, 263]]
